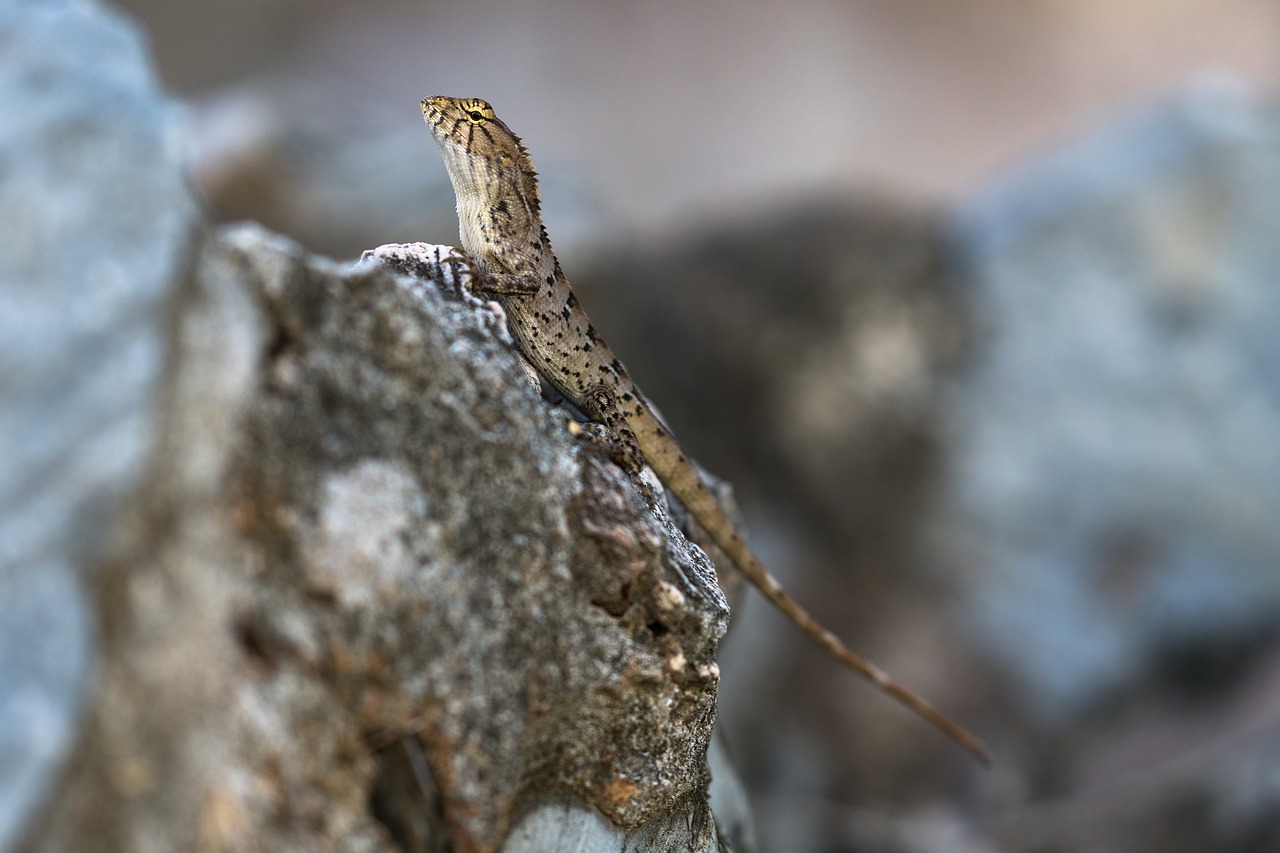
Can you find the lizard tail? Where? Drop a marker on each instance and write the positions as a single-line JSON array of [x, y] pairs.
[[682, 478], [703, 506], [750, 565]]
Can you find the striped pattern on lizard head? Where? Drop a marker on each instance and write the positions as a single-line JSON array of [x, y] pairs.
[[487, 163]]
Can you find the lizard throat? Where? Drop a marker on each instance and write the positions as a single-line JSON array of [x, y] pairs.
[[498, 238]]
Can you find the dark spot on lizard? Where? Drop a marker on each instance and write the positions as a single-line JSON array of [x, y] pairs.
[[501, 207], [253, 640], [551, 279]]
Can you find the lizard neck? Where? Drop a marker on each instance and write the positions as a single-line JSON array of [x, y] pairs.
[[503, 233], [499, 215]]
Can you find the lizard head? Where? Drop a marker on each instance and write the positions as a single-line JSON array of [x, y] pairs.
[[487, 163]]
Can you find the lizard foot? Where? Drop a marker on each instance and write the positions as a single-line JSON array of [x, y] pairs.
[[601, 405], [644, 478], [429, 262], [600, 436]]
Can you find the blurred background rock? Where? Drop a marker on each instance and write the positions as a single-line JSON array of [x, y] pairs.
[[974, 302]]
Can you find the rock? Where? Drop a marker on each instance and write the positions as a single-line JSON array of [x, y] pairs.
[[397, 423], [294, 557], [374, 589], [98, 222], [1116, 449]]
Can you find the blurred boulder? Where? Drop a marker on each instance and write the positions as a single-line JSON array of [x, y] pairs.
[[800, 352], [97, 223], [1116, 457], [273, 149]]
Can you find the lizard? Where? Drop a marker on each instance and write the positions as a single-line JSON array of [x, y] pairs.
[[502, 232]]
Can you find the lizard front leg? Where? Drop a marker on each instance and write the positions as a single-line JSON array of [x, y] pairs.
[[428, 262], [503, 284]]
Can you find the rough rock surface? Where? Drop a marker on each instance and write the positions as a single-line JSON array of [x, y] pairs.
[[458, 529], [294, 557], [367, 545]]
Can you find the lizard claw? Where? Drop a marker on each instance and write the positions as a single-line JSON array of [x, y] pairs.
[[434, 262]]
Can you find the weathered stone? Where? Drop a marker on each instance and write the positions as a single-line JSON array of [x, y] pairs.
[[304, 518], [514, 597], [1117, 455], [97, 221], [370, 565]]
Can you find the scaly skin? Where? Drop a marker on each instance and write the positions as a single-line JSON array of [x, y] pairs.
[[501, 228]]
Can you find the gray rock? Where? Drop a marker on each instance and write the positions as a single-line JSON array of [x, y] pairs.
[[293, 556], [573, 827], [374, 590], [341, 579], [1116, 446], [399, 465], [97, 219]]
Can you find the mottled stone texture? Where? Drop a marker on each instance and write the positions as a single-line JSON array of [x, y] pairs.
[[484, 579], [292, 557], [375, 593]]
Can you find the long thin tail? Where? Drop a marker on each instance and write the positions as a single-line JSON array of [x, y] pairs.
[[664, 455], [754, 570]]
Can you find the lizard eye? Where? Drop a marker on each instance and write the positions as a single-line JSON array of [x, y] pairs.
[[476, 116]]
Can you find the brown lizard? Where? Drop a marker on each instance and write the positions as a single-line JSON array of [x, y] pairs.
[[501, 228]]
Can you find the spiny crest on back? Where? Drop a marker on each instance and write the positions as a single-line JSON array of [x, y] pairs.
[[466, 124]]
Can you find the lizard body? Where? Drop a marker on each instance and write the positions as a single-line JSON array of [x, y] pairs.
[[501, 228]]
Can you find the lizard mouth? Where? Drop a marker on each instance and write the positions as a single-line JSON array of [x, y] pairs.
[[431, 108], [434, 115]]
